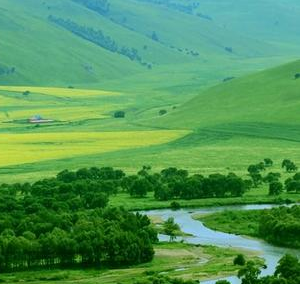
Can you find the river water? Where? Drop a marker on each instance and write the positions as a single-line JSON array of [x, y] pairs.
[[205, 236]]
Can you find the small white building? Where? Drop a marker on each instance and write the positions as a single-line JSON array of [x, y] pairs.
[[39, 119]]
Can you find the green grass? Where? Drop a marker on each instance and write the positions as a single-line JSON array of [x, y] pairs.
[[268, 97], [234, 222], [173, 259], [234, 124], [45, 54], [254, 196]]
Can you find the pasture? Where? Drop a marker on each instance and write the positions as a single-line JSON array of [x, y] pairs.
[[173, 259], [38, 147]]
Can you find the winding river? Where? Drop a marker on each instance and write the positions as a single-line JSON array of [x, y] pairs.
[[206, 236]]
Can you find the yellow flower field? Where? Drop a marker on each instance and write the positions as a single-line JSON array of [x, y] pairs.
[[18, 149], [58, 92], [58, 113]]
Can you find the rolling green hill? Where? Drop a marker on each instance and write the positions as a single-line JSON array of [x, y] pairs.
[[184, 57], [223, 129], [270, 96], [143, 46]]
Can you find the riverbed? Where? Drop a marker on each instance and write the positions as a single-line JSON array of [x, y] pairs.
[[205, 236]]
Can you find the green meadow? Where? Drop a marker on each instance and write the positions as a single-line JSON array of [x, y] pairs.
[[223, 129], [172, 259], [222, 110], [208, 86]]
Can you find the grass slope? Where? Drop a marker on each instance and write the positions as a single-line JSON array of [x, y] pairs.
[[42, 53], [232, 125], [270, 97]]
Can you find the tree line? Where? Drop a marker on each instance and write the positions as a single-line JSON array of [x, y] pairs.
[[187, 8], [287, 272], [100, 6], [281, 226], [276, 187], [7, 70], [99, 38], [170, 183], [54, 223]]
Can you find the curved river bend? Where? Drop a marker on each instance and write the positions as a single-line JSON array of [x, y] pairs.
[[205, 236]]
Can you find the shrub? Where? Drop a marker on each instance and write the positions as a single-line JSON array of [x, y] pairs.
[[239, 260], [162, 112], [119, 114], [175, 205]]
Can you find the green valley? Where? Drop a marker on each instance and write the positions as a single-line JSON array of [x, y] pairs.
[[141, 141]]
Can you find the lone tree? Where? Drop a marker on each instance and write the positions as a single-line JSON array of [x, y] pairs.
[[154, 36], [119, 114], [268, 162], [275, 188], [26, 93], [297, 76], [292, 185], [170, 228], [239, 260], [254, 172], [289, 166], [162, 112]]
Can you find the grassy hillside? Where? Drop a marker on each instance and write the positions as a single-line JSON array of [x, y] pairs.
[[268, 20], [81, 63], [228, 127], [184, 55], [268, 97]]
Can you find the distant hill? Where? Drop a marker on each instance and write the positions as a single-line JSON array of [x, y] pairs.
[[54, 42], [267, 97]]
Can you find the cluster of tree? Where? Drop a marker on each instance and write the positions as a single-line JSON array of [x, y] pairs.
[[287, 272], [255, 171], [186, 50], [281, 226], [187, 8], [292, 184], [173, 183], [163, 279], [62, 221], [100, 6], [289, 166], [7, 70], [110, 237], [99, 38]]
